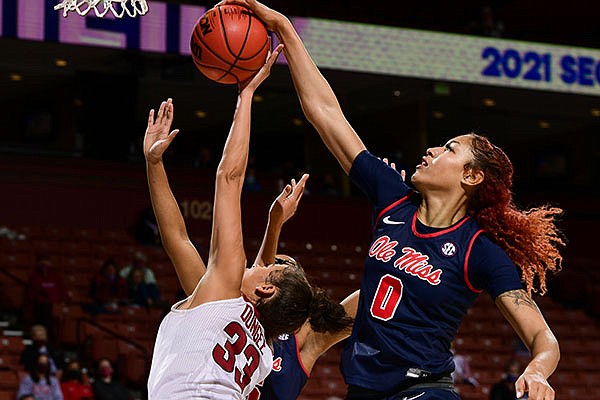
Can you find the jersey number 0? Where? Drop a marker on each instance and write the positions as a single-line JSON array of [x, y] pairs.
[[387, 297]]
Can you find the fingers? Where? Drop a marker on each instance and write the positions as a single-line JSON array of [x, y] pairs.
[[225, 2], [299, 189], [161, 112], [151, 117], [303, 179], [274, 55], [263, 73], [296, 189], [172, 135], [169, 111], [520, 387], [539, 391], [165, 113], [285, 192]]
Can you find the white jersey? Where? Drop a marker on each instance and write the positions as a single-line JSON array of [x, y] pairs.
[[216, 350]]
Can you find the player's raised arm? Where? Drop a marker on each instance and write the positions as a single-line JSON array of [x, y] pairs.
[[524, 315], [282, 209], [227, 258], [318, 100], [186, 260]]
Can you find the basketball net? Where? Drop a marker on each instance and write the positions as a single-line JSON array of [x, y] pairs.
[[118, 7]]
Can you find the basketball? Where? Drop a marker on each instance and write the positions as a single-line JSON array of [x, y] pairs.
[[229, 44]]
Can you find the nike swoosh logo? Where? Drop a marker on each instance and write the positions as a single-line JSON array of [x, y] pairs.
[[414, 397], [388, 221]]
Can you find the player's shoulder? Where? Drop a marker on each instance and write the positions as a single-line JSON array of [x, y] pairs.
[[486, 250], [484, 241]]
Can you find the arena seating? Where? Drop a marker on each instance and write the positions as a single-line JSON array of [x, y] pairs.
[[127, 338]]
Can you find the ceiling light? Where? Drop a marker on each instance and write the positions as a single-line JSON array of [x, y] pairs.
[[595, 112], [200, 114], [258, 98], [16, 77], [544, 124], [60, 62], [489, 102], [438, 115], [397, 93], [297, 122]]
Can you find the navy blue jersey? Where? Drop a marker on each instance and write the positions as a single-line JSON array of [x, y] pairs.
[[418, 283], [288, 376]]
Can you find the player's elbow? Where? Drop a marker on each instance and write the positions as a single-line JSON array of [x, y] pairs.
[[227, 173], [555, 348], [320, 115]]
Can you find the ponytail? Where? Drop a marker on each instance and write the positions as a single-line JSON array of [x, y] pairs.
[[531, 238], [326, 315]]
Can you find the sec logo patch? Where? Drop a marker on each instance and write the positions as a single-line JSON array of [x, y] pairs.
[[448, 249]]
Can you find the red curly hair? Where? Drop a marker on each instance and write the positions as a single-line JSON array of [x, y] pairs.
[[531, 237]]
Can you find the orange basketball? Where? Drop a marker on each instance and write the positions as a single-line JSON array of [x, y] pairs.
[[229, 44]]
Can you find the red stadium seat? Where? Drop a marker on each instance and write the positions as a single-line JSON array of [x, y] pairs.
[[9, 361], [8, 394], [564, 378], [468, 392], [574, 393], [104, 347], [136, 332], [13, 294], [88, 234], [11, 345], [65, 318], [136, 369], [9, 380], [292, 247]]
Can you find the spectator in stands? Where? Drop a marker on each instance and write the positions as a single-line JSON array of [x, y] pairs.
[[462, 369], [105, 387], [46, 287], [504, 389], [40, 382], [139, 261], [204, 159], [26, 396], [108, 289], [487, 24], [40, 346], [75, 384], [251, 183], [141, 293], [329, 187], [146, 229]]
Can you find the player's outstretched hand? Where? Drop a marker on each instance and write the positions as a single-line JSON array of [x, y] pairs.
[[254, 82], [286, 204], [268, 16], [535, 385], [158, 137]]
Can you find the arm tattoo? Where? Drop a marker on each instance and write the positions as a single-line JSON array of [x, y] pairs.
[[520, 297]]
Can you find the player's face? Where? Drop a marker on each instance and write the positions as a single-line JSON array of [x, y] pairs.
[[442, 168], [255, 280]]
